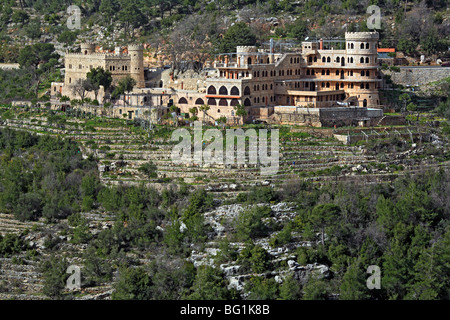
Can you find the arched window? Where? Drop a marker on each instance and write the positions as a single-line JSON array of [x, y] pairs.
[[212, 102], [342, 85], [223, 102], [199, 101], [353, 46], [310, 59], [367, 45], [249, 60], [182, 101], [367, 86], [234, 102], [223, 91], [338, 59], [308, 72], [328, 72], [323, 59], [247, 91], [367, 60], [328, 84], [247, 102], [361, 60], [362, 46], [315, 59], [234, 91], [323, 72], [362, 73], [212, 90], [368, 73], [337, 72], [328, 59], [351, 60], [362, 86]]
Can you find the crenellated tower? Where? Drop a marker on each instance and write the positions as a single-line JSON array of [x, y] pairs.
[[136, 53]]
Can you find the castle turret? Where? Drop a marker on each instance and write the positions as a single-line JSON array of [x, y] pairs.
[[362, 55], [87, 48], [137, 64]]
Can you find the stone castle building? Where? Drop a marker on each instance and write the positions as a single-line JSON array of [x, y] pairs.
[[120, 64], [270, 85]]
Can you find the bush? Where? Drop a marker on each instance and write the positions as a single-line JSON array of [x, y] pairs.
[[55, 277], [29, 207], [10, 244], [281, 238], [249, 224]]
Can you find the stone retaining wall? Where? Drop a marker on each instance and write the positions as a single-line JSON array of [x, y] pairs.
[[418, 76]]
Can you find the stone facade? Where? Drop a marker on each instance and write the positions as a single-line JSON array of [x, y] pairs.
[[319, 76], [323, 74], [120, 64]]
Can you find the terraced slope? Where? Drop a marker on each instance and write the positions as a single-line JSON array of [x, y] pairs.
[[121, 151], [20, 275]]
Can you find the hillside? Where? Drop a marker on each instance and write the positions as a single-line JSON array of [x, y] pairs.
[[413, 27]]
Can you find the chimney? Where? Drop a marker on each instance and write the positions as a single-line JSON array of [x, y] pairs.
[[321, 44]]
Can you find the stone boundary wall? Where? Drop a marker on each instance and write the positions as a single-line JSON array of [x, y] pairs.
[[418, 75]]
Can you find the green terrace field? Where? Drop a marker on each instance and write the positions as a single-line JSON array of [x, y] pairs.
[[122, 147]]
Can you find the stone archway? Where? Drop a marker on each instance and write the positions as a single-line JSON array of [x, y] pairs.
[[199, 101], [212, 90]]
